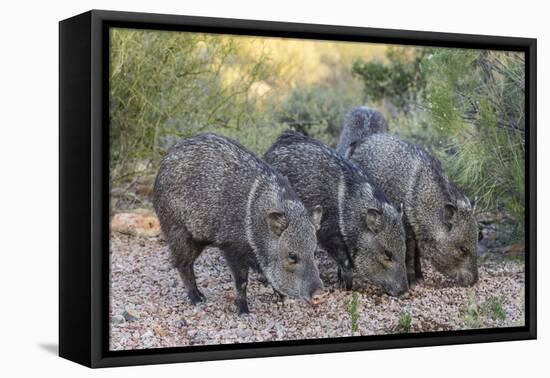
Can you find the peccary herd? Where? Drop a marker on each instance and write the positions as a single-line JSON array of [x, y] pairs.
[[376, 205]]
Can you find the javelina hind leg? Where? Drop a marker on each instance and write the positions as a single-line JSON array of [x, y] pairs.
[[187, 275], [184, 253], [410, 261], [410, 255]]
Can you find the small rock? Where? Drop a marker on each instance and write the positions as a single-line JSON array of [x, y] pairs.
[[117, 319], [244, 333], [147, 335], [131, 315], [182, 322], [136, 224], [159, 331]]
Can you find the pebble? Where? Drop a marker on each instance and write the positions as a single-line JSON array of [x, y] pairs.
[[117, 319], [244, 333], [130, 315]]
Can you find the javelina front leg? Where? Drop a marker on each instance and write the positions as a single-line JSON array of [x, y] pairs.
[[338, 251], [239, 270], [345, 277], [241, 282], [410, 261]]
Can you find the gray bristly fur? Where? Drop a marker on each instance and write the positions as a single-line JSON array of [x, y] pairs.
[[211, 191], [360, 228], [358, 124], [439, 219]]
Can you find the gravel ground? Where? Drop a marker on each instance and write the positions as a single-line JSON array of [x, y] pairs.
[[150, 309]]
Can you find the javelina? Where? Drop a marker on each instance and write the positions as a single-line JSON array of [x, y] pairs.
[[439, 219], [359, 123], [211, 191], [360, 228]]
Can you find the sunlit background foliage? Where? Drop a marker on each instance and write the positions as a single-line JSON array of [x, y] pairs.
[[466, 106]]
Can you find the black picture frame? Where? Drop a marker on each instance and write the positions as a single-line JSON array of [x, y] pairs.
[[83, 182]]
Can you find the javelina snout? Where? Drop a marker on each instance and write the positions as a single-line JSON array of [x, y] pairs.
[[467, 278], [382, 257], [294, 272], [313, 293], [455, 248], [396, 289]]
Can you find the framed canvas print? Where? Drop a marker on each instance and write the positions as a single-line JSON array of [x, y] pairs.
[[234, 188]]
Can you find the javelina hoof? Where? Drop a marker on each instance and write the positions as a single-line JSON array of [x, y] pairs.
[[263, 280], [242, 307], [411, 277], [196, 296], [279, 297]]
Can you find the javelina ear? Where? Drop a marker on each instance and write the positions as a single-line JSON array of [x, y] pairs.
[[450, 211], [317, 215], [479, 232], [351, 149], [474, 203], [400, 209], [374, 220], [277, 222]]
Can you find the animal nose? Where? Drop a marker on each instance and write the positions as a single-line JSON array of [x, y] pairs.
[[468, 279], [399, 290], [317, 294]]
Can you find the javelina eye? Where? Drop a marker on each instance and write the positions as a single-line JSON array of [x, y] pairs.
[[293, 258], [389, 255], [464, 251]]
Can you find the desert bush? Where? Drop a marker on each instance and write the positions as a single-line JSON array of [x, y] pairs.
[[318, 110], [476, 102], [168, 85], [398, 78]]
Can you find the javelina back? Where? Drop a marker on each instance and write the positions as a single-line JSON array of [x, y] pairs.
[[358, 124], [360, 228], [211, 191], [439, 219]]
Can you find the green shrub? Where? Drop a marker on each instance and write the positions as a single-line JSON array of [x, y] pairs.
[[475, 313], [494, 308], [476, 101], [318, 110], [404, 325], [168, 85], [353, 310], [399, 79], [467, 107]]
